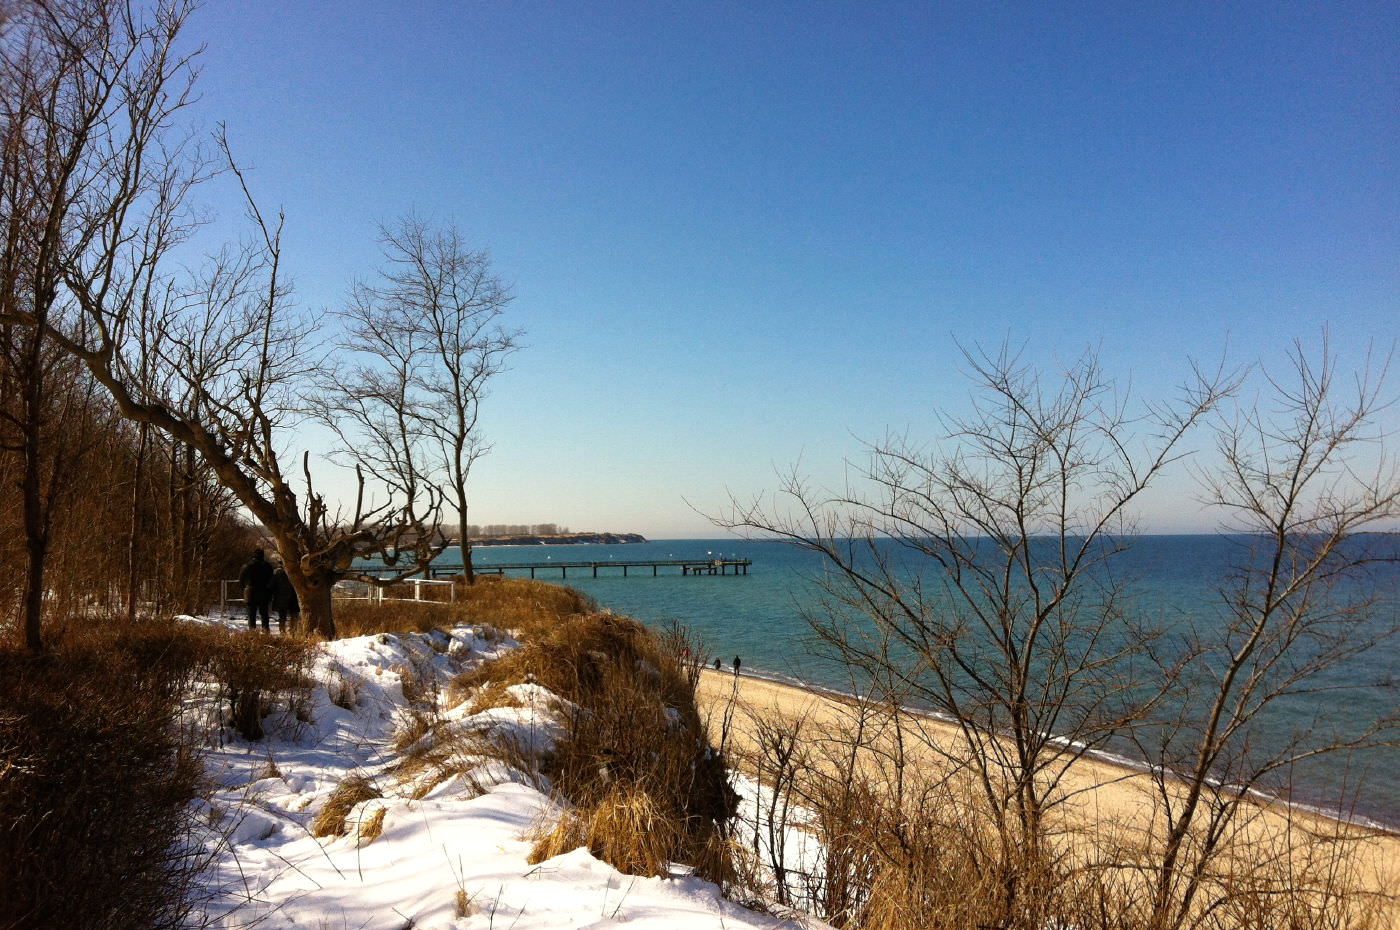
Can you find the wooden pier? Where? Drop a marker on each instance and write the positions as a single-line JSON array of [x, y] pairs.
[[686, 566]]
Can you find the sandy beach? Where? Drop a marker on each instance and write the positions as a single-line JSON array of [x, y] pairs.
[[1107, 799]]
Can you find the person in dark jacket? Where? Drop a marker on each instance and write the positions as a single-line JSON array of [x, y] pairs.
[[284, 599], [256, 579]]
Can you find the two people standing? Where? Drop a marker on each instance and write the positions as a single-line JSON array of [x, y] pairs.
[[265, 587]]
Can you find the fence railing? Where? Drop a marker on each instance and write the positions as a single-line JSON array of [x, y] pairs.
[[432, 590], [411, 589]]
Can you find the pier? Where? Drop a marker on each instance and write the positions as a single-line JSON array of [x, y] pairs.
[[707, 566]]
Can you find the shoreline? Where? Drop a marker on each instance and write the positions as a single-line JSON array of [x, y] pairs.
[[1108, 798], [1127, 766]]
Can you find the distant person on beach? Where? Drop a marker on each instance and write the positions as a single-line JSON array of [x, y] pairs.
[[736, 665], [284, 600], [719, 663], [256, 579]]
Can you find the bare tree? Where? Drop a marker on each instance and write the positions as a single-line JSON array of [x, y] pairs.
[[1301, 481], [82, 81], [102, 184], [975, 580], [241, 361], [433, 320]]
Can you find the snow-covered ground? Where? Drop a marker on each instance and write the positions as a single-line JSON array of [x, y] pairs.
[[449, 854]]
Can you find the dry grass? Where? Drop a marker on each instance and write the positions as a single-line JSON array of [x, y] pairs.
[[372, 826], [626, 827], [644, 785], [517, 604], [907, 845], [96, 778], [580, 655], [343, 689], [362, 618], [522, 605], [491, 695], [352, 790], [415, 726]]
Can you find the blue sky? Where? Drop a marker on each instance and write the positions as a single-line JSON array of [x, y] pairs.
[[744, 234]]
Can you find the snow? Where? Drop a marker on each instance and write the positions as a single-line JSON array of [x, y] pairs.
[[451, 854]]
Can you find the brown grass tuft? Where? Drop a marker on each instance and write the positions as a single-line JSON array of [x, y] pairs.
[[352, 790], [635, 763], [372, 826], [626, 827], [491, 695]]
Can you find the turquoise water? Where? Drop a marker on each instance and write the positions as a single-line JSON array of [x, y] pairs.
[[1172, 579]]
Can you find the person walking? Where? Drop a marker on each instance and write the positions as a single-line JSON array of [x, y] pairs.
[[736, 665], [284, 599], [256, 579]]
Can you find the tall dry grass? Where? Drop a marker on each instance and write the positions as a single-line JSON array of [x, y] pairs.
[[97, 770], [523, 605], [644, 788], [95, 779], [519, 604], [367, 618]]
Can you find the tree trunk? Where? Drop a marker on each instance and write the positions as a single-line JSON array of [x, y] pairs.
[[133, 581], [36, 546], [36, 535], [314, 594], [463, 536], [190, 550]]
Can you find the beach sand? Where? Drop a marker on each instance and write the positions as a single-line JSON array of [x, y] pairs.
[[1107, 799]]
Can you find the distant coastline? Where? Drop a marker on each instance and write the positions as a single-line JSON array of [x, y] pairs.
[[559, 539]]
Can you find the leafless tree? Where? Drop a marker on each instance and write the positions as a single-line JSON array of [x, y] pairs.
[[432, 320], [1302, 479], [976, 579], [84, 82], [103, 183]]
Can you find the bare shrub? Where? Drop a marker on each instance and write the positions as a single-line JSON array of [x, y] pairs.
[[976, 576], [255, 672], [1302, 481], [95, 779]]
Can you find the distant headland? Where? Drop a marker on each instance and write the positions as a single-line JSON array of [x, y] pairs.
[[557, 539]]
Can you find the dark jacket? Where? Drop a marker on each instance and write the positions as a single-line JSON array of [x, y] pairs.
[[256, 579], [284, 595]]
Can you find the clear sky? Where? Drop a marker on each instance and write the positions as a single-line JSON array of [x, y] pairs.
[[747, 233]]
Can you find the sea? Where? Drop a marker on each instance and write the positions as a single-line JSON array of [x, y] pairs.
[[760, 617]]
